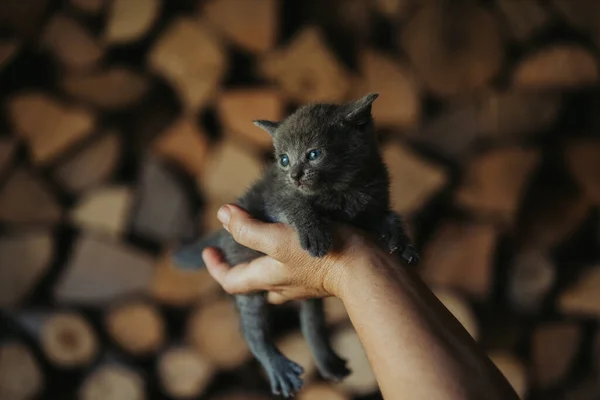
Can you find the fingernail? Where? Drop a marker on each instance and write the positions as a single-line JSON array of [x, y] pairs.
[[224, 215]]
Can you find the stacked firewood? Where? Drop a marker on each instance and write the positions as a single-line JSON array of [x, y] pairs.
[[130, 122]]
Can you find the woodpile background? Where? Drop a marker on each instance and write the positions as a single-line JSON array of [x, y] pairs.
[[125, 124]]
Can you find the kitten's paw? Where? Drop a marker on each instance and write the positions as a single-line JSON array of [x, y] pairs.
[[284, 376], [317, 242], [410, 255], [333, 367]]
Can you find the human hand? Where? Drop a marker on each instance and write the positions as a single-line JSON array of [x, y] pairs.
[[287, 271]]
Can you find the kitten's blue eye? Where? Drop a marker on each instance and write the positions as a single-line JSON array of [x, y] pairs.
[[284, 160], [314, 154]]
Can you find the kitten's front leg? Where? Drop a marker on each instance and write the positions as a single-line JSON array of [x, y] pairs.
[[394, 236], [313, 231]]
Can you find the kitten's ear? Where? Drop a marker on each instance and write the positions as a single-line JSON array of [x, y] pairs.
[[359, 111], [269, 126]]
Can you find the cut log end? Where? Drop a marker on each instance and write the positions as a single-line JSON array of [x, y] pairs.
[[113, 382], [20, 375], [69, 340], [136, 326], [184, 373], [362, 380], [214, 329]]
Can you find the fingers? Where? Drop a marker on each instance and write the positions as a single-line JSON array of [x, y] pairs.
[[270, 239], [276, 298], [243, 278]]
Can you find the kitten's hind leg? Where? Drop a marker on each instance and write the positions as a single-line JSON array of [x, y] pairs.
[[312, 322], [284, 374], [395, 238]]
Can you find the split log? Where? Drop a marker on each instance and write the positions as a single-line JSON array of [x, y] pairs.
[[581, 14], [237, 109], [111, 89], [583, 160], [184, 373], [8, 49], [586, 389], [513, 370], [251, 24], [322, 391], [113, 381], [104, 209], [20, 375], [194, 62], [91, 166], [500, 116], [294, 346], [176, 286], [214, 330], [137, 326], [398, 104], [531, 278], [47, 125], [460, 256], [130, 21], [393, 9], [362, 381], [7, 148], [541, 226], [582, 298], [455, 47], [101, 270], [596, 355], [185, 144], [71, 43], [524, 18], [554, 347], [229, 169], [306, 69], [24, 259], [335, 311], [164, 210], [25, 199], [494, 182], [66, 338], [23, 18], [347, 24], [459, 308], [413, 180], [557, 67], [92, 7]]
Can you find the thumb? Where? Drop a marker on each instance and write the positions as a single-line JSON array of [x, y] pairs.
[[267, 238]]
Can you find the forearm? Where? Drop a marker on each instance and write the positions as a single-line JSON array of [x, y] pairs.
[[417, 349]]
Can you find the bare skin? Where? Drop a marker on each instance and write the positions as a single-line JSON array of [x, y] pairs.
[[417, 349]]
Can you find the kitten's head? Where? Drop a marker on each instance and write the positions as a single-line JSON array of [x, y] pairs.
[[323, 146]]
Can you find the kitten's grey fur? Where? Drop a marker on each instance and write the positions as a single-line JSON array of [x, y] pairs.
[[346, 180]]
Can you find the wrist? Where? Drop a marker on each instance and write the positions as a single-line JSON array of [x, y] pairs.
[[370, 268]]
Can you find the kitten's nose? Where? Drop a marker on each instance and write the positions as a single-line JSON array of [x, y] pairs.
[[297, 174]]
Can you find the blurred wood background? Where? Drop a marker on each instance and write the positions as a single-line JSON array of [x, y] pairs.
[[129, 121]]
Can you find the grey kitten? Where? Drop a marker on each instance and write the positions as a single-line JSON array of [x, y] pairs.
[[327, 167]]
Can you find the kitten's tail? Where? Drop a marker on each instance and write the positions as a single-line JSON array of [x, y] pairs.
[[190, 256]]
